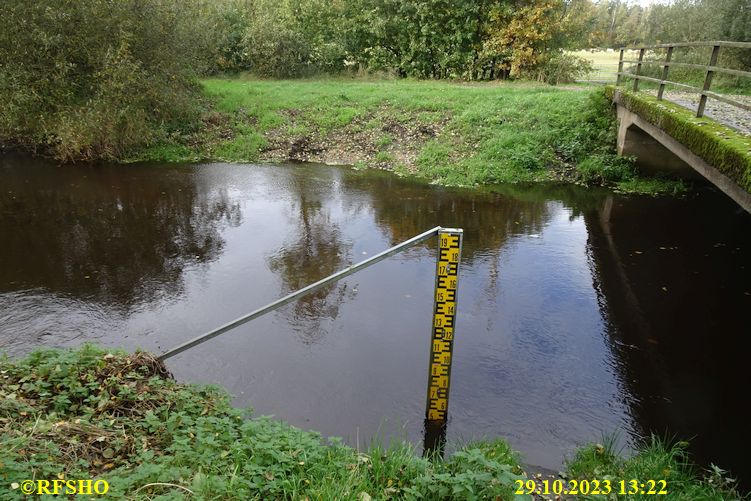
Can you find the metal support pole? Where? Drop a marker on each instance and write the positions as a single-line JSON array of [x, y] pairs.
[[708, 81], [665, 70], [444, 316], [306, 290]]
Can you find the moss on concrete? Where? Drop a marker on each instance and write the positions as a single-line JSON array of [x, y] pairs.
[[720, 146]]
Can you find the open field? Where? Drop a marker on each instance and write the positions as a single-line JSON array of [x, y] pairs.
[[605, 63]]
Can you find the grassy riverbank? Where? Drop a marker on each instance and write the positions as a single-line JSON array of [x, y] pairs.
[[120, 417], [656, 460], [448, 133]]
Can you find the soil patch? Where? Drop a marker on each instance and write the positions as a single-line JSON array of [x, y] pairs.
[[381, 138]]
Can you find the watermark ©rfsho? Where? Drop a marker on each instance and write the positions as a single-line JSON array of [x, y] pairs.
[[87, 487]]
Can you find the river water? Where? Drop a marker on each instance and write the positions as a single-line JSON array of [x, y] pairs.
[[580, 312]]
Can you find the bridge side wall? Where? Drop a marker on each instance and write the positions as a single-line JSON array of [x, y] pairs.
[[628, 119]]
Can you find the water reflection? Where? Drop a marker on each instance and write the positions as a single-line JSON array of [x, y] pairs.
[[404, 210], [315, 250], [675, 279], [579, 312], [103, 236]]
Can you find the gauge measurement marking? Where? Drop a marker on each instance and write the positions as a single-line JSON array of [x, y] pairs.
[[444, 312]]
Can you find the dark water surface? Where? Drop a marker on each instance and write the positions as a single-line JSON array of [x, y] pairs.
[[580, 312]]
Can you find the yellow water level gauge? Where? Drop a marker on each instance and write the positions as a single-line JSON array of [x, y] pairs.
[[444, 320]]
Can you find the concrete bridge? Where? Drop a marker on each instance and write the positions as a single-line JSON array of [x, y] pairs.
[[642, 132], [657, 151]]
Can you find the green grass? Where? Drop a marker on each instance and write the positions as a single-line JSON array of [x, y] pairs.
[[444, 132], [87, 413], [656, 459]]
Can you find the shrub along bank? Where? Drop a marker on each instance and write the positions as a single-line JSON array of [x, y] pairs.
[[92, 79], [87, 413]]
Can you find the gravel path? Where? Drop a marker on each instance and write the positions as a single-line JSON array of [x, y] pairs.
[[735, 118]]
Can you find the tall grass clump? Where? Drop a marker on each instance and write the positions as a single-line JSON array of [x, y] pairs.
[[655, 459]]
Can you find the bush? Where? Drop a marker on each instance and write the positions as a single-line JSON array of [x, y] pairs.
[[293, 40], [277, 51], [93, 78]]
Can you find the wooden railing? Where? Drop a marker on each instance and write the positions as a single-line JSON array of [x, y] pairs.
[[709, 70]]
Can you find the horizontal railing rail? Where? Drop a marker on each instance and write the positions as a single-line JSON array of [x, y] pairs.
[[708, 69], [714, 43]]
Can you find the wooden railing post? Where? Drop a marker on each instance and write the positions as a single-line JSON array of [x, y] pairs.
[[708, 80], [638, 70], [665, 69], [620, 69]]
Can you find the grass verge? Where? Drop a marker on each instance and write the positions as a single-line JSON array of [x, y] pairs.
[[447, 133]]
